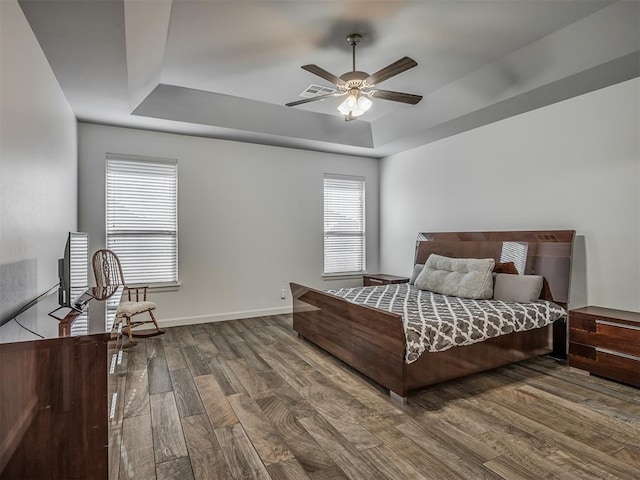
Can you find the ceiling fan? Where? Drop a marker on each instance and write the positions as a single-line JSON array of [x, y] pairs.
[[359, 86]]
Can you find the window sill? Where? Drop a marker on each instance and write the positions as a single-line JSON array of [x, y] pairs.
[[160, 287], [342, 276]]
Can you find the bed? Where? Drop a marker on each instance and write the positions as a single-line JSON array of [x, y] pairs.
[[373, 341]]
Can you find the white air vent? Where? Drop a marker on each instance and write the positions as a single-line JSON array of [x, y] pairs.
[[315, 90]]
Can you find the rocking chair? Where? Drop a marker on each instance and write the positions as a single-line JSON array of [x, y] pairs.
[[108, 272]]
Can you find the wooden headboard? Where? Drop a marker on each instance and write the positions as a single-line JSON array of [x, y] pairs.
[[538, 252]]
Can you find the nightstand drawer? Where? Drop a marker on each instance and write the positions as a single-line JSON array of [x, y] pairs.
[[606, 342], [610, 364], [608, 334]]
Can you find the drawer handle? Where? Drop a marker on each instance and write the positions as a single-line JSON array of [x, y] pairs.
[[114, 400], [618, 354], [114, 358], [619, 325], [375, 280]]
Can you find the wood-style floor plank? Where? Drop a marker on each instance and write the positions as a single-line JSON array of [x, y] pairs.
[[287, 470], [221, 343], [305, 449], [137, 464], [630, 455], [225, 376], [465, 463], [186, 393], [260, 430], [173, 469], [136, 454], [215, 403], [136, 396], [390, 464], [168, 438], [195, 362], [205, 345], [206, 456], [198, 434], [174, 356], [250, 378], [248, 399], [210, 465], [137, 357], [240, 455], [159, 380], [346, 456]]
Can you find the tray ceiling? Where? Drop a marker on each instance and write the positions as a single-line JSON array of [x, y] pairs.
[[225, 69]]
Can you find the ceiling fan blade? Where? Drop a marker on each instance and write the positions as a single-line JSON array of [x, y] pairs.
[[397, 96], [312, 99], [405, 63], [321, 72]]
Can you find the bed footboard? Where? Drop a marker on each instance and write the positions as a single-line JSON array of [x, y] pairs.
[[370, 340]]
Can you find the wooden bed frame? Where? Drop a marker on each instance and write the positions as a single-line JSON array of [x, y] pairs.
[[373, 341]]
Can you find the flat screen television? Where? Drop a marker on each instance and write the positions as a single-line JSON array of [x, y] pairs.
[[73, 270]]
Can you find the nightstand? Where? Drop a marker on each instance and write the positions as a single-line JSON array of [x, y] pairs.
[[373, 279], [606, 342]]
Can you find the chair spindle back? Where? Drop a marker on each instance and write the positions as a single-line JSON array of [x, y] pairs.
[[107, 268]]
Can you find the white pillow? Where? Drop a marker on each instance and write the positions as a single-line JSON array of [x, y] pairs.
[[459, 277], [517, 288]]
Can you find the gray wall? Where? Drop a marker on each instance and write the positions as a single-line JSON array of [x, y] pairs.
[[250, 218], [571, 165], [38, 165]]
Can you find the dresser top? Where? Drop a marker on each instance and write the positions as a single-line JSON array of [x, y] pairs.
[[628, 316], [97, 317]]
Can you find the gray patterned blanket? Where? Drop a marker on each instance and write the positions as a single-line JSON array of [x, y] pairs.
[[434, 322]]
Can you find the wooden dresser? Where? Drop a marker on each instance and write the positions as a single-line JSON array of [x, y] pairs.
[[606, 342], [59, 400]]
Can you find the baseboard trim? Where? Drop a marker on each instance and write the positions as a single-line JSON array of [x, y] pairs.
[[220, 317]]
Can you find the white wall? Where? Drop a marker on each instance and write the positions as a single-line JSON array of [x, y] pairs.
[[250, 218], [38, 165], [571, 165]]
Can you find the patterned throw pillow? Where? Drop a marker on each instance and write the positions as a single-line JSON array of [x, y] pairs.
[[458, 277]]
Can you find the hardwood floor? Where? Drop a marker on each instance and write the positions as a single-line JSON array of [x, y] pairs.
[[247, 399]]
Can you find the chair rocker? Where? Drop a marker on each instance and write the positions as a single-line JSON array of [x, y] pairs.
[[108, 273]]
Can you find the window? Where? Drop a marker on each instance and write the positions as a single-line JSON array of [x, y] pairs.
[[142, 217], [515, 252], [344, 229]]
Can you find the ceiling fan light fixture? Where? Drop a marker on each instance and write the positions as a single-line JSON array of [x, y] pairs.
[[350, 103], [364, 104], [355, 105]]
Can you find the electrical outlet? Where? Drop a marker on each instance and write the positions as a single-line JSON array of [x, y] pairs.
[[283, 293]]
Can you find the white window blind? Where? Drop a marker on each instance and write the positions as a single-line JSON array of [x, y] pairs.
[[344, 226], [142, 217], [515, 252]]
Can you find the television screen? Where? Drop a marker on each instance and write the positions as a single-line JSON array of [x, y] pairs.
[[73, 270]]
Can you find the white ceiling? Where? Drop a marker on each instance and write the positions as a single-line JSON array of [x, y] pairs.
[[225, 69]]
